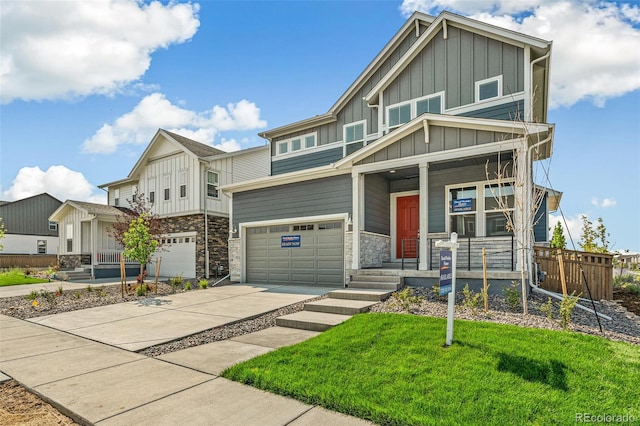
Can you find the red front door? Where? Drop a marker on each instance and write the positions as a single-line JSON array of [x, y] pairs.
[[407, 225]]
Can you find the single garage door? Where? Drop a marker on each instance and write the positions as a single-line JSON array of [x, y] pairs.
[[178, 256], [297, 253]]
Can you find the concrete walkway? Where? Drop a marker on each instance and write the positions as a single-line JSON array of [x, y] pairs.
[[97, 383], [23, 290]]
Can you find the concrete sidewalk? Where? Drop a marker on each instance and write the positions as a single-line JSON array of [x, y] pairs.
[[102, 383], [23, 290]]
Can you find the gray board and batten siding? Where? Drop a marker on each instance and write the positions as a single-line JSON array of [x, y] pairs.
[[453, 65], [30, 216], [316, 197], [303, 162], [440, 139]]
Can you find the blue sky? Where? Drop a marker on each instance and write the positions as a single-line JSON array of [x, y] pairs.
[[85, 85]]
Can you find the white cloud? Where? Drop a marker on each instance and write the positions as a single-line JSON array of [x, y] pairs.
[[55, 181], [606, 202], [156, 111], [592, 41], [63, 49]]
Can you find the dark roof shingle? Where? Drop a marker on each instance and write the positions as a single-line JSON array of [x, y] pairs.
[[199, 149]]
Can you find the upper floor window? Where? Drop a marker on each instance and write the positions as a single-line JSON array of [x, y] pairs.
[[398, 114], [489, 88], [212, 184], [134, 190], [182, 181], [167, 188], [116, 197], [295, 144], [53, 226], [152, 190], [354, 132]]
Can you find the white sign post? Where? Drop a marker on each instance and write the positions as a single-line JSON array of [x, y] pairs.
[[448, 275]]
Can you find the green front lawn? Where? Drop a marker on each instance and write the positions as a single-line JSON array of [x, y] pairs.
[[392, 369], [16, 277]]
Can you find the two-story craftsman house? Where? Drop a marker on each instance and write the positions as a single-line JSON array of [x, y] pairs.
[[406, 156], [180, 178]]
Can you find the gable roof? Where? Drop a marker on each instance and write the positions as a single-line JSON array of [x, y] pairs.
[[87, 208], [197, 148], [43, 195], [187, 145]]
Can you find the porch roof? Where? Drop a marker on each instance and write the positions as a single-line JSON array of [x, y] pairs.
[[93, 209]]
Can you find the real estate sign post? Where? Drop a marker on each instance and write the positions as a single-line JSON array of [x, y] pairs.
[[448, 279]]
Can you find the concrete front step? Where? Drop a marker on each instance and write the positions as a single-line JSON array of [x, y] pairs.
[[360, 294], [377, 278], [308, 320], [339, 306], [375, 285]]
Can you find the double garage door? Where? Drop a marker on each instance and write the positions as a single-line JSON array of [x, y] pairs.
[[296, 253]]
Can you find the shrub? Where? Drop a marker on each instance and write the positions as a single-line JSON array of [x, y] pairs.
[[512, 296], [547, 308], [187, 285], [77, 295], [470, 299], [101, 292], [89, 288], [203, 284], [142, 290], [32, 296], [175, 282], [406, 298], [60, 290], [567, 305]]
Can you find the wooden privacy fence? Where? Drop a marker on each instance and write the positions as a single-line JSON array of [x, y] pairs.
[[598, 271], [24, 260]]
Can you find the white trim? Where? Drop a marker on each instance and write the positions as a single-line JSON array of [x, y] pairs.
[[303, 148], [393, 199], [242, 227], [528, 110], [216, 185], [387, 125], [353, 124], [479, 83], [183, 174], [486, 104]]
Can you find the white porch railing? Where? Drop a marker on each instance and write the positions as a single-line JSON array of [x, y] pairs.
[[111, 257]]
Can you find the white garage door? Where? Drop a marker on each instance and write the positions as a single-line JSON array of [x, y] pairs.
[[178, 256], [297, 253]]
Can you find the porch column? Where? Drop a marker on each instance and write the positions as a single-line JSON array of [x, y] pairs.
[[424, 216], [357, 216], [94, 245]]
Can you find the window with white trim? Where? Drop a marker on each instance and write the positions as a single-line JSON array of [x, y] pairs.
[[152, 190], [462, 210], [489, 88], [167, 187], [116, 197], [398, 114], [134, 191], [354, 132], [212, 184], [53, 226], [496, 221], [42, 246], [296, 144], [474, 209], [69, 237], [182, 181]]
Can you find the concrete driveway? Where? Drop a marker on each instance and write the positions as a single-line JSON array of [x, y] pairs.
[[140, 324]]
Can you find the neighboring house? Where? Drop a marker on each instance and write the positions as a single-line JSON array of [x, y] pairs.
[[400, 161], [27, 226], [180, 178]]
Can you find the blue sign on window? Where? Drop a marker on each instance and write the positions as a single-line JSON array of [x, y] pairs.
[[462, 205], [289, 241], [446, 275]]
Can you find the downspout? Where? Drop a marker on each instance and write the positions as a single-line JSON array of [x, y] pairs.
[[206, 227]]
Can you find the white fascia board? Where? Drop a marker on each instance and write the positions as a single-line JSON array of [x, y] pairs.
[[477, 27], [318, 120], [471, 123], [440, 156], [233, 153], [283, 179], [116, 182]]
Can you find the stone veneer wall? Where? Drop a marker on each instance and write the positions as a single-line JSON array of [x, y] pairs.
[[374, 249], [69, 261], [218, 230], [234, 259]]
